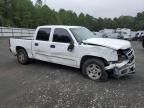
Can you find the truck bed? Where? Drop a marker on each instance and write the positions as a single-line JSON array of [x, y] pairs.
[[24, 38], [24, 42]]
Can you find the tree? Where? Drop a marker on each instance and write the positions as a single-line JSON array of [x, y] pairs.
[[81, 19], [139, 21], [22, 13], [38, 3]]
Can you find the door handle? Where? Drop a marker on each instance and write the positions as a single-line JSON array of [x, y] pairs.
[[52, 46], [36, 44]]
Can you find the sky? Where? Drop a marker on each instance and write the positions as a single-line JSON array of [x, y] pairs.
[[99, 8]]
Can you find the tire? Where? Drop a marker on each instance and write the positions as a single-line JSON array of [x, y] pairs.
[[94, 69], [22, 56]]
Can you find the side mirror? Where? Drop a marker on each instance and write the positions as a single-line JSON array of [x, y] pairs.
[[71, 46]]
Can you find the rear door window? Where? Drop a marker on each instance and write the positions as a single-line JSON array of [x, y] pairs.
[[43, 34]]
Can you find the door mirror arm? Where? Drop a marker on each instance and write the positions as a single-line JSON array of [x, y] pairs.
[[71, 46]]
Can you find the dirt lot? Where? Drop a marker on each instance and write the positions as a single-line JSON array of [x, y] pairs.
[[46, 85]]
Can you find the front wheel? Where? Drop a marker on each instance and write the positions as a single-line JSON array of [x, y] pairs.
[[94, 69], [22, 56]]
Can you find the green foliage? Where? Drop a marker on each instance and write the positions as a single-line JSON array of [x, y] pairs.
[[22, 13], [38, 3]]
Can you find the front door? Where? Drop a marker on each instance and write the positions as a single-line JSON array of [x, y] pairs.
[[58, 48]]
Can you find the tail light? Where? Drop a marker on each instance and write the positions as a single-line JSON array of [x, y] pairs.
[[9, 43]]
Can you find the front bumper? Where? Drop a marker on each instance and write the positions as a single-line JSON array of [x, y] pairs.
[[122, 69]]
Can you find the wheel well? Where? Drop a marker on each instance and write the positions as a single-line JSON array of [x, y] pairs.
[[84, 58], [19, 47]]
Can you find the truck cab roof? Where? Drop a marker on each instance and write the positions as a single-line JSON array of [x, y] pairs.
[[58, 26]]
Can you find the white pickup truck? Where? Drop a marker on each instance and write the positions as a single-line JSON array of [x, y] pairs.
[[77, 47]]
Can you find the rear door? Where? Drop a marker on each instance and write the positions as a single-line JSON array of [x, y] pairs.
[[41, 45], [58, 48]]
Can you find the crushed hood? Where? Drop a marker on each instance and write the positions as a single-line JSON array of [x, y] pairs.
[[111, 43]]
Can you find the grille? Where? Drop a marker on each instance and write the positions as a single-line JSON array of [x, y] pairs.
[[130, 54]]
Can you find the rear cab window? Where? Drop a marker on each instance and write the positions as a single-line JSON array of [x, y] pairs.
[[43, 34]]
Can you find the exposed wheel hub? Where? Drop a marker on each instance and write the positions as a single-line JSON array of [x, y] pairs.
[[94, 71]]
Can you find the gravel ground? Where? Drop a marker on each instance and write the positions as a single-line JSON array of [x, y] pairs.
[[46, 85]]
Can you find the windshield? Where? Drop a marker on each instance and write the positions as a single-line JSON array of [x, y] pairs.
[[82, 34]]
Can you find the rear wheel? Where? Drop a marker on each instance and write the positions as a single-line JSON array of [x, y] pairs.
[[94, 69], [22, 56]]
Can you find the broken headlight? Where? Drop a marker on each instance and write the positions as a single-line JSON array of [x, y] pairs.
[[121, 56]]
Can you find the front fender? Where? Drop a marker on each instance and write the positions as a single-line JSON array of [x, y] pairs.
[[104, 52]]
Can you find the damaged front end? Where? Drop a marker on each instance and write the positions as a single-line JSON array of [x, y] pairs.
[[125, 64]]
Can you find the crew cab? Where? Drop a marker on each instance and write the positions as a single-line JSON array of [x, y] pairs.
[[76, 46]]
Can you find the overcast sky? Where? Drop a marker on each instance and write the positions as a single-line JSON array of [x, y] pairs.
[[99, 8]]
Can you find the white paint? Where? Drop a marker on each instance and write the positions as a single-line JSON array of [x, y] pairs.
[[111, 43]]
